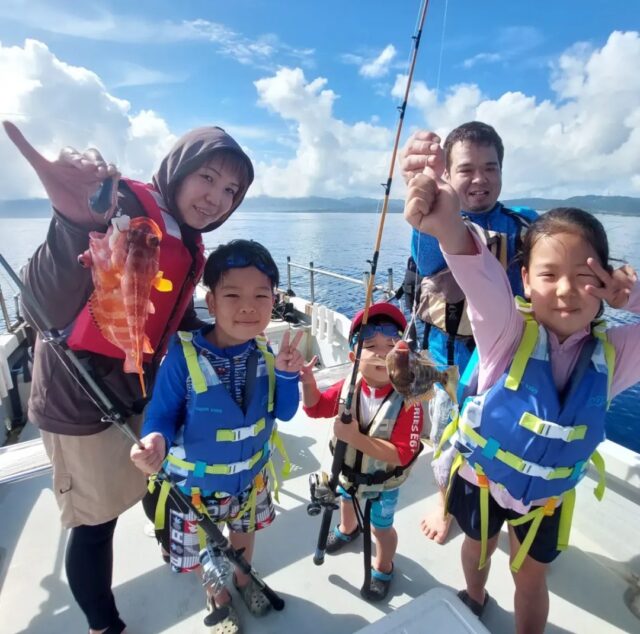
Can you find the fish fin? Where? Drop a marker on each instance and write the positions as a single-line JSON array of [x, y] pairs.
[[162, 284], [151, 309], [147, 348], [85, 260], [451, 386]]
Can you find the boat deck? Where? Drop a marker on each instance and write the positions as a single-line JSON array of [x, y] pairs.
[[591, 584]]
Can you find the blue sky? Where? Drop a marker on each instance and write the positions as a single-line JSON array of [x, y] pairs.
[[310, 89]]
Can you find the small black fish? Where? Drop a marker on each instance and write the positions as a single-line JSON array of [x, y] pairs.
[[414, 375]]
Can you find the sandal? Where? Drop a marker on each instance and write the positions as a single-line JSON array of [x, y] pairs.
[[472, 604], [222, 619], [253, 597], [336, 539], [378, 586]]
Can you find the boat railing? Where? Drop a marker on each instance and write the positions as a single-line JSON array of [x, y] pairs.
[[10, 324], [388, 290]]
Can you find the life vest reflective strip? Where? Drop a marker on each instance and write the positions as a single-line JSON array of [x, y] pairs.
[[362, 472], [546, 429], [442, 303], [178, 266]]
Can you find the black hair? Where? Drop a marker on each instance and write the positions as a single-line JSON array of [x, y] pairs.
[[239, 254], [474, 132], [567, 220]]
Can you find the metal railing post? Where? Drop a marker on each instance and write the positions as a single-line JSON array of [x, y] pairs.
[[289, 289], [391, 289], [312, 287]]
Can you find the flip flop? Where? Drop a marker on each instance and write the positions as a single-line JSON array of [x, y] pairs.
[[472, 604]]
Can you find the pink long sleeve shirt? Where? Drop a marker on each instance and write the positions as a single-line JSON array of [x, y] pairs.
[[498, 326]]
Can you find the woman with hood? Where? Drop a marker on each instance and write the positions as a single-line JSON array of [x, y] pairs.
[[198, 185]]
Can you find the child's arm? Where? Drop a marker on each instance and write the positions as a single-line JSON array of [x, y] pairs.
[[288, 362], [432, 207], [327, 403], [310, 392], [375, 447], [166, 410]]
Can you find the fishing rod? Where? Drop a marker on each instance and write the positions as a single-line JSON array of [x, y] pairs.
[[323, 487], [111, 414]]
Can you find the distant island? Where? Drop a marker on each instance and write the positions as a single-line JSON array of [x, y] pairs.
[[621, 205]]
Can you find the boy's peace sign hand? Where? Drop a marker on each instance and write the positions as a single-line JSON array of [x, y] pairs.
[[616, 287], [289, 358], [73, 180]]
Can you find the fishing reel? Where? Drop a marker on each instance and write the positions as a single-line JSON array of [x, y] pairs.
[[216, 568], [320, 493]]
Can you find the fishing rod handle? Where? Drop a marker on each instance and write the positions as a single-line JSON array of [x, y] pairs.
[[323, 534]]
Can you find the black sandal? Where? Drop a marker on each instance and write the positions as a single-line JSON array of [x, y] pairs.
[[472, 604], [336, 540]]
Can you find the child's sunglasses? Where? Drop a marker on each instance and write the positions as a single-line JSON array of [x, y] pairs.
[[241, 261]]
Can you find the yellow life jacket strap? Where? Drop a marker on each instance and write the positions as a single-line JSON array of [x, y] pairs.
[[483, 483], [547, 429], [159, 518], [270, 361], [599, 332], [240, 433], [566, 515], [598, 463], [535, 517], [523, 353], [198, 381], [277, 443], [201, 468], [491, 449], [447, 433]]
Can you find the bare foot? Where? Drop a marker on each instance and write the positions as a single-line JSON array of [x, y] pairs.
[[435, 525]]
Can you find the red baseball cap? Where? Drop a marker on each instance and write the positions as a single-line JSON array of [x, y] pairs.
[[381, 308]]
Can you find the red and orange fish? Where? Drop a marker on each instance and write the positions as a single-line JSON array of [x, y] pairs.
[[124, 264]]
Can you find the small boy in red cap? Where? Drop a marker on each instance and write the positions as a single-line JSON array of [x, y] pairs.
[[383, 440]]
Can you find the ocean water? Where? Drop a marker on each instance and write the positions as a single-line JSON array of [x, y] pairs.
[[343, 243]]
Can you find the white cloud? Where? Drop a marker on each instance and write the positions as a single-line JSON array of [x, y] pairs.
[[331, 158], [379, 66], [56, 104], [585, 140]]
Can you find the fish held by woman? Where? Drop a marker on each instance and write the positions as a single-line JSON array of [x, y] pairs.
[[414, 375], [124, 264]]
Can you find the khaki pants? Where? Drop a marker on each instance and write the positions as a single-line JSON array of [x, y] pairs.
[[94, 480]]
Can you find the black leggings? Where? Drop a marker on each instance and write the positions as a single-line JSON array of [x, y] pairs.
[[89, 564]]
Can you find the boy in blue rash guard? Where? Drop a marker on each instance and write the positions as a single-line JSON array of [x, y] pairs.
[[471, 161], [210, 420]]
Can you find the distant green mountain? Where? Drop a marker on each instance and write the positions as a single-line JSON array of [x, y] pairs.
[[624, 205]]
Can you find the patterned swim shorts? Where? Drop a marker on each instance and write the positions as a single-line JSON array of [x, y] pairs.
[[180, 537]]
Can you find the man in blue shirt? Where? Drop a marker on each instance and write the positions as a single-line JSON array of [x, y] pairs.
[[471, 160]]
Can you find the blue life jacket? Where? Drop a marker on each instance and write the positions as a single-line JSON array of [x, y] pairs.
[[442, 305], [523, 434], [223, 448]]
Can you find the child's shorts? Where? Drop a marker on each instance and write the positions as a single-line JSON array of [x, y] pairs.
[[179, 536], [383, 507], [464, 505]]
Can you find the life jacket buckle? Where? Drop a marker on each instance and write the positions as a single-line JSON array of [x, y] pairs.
[[550, 507]]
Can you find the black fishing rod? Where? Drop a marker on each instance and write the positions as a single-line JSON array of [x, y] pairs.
[[323, 491], [111, 414]]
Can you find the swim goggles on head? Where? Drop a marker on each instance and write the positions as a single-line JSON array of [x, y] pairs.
[[239, 261], [371, 330]]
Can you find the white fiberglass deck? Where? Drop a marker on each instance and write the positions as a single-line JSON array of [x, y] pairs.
[[587, 583]]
